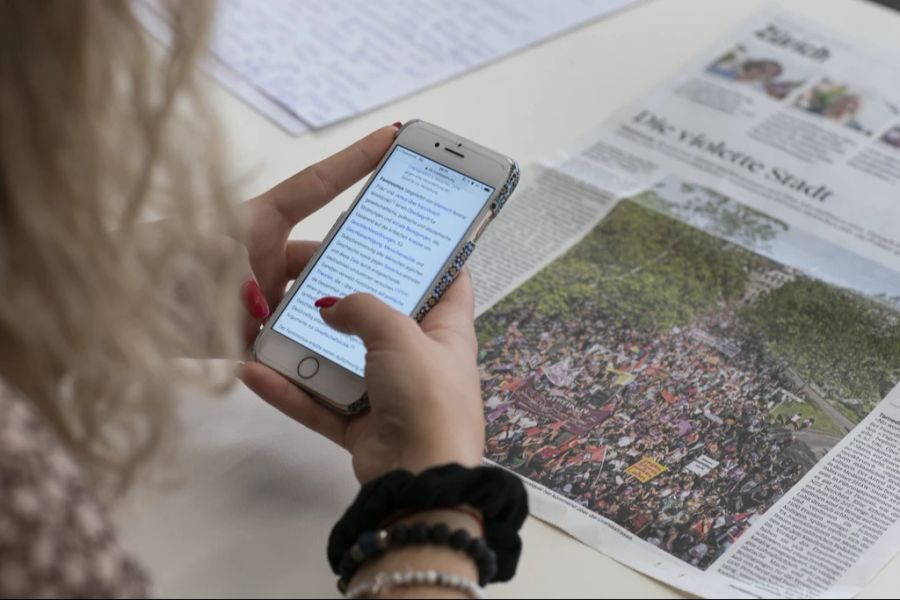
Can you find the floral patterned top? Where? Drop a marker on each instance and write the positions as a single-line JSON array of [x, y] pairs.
[[56, 539]]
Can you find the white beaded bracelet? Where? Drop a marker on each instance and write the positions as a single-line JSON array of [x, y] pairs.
[[383, 582]]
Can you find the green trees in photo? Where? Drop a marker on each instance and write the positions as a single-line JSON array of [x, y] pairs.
[[642, 266], [845, 343]]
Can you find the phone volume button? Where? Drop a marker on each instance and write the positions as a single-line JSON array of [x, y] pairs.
[[481, 229]]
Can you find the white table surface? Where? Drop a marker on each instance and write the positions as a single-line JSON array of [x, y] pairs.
[[244, 505]]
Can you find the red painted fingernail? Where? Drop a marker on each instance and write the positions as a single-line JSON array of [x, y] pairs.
[[327, 302], [398, 125], [254, 300]]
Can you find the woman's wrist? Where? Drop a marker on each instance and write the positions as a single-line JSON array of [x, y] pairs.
[[437, 446], [417, 460]]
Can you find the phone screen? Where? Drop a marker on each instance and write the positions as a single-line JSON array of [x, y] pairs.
[[393, 243]]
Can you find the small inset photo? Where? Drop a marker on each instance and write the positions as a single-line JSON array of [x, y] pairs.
[[892, 136], [856, 108], [769, 75]]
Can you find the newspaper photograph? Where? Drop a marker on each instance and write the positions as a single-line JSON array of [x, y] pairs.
[[692, 355]]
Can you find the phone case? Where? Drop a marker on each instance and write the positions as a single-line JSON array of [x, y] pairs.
[[468, 247], [455, 267]]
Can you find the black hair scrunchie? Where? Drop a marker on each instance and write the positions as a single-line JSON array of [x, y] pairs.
[[497, 494]]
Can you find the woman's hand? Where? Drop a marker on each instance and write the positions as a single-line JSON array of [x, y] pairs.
[[270, 217], [422, 383]]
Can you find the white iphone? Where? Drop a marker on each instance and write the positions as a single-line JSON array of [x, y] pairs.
[[403, 239]]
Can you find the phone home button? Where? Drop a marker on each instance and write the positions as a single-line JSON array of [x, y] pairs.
[[308, 367]]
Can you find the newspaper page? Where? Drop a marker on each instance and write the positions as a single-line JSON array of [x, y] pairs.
[[689, 325]]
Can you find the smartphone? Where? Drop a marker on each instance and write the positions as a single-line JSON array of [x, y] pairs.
[[404, 239]]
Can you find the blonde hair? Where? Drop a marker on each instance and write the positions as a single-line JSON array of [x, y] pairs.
[[99, 133]]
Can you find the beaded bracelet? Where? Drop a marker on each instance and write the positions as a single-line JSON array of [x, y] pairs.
[[384, 582], [372, 544], [497, 495], [406, 514]]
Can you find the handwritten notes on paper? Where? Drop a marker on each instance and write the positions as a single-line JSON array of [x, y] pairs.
[[326, 60], [314, 62]]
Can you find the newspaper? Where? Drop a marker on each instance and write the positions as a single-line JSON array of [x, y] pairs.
[[689, 324]]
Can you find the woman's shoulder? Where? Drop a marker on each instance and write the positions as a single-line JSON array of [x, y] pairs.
[[55, 536], [31, 456]]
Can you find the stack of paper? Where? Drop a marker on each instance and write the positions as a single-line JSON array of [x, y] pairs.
[[314, 62]]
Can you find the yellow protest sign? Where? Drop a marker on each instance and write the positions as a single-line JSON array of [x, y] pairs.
[[645, 469], [623, 378]]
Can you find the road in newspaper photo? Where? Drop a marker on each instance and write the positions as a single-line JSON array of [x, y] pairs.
[[666, 374]]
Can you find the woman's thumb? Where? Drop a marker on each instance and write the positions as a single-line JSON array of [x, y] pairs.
[[365, 316]]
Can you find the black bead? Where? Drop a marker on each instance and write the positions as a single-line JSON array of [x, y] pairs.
[[440, 534], [460, 539], [485, 561], [418, 533], [399, 535], [347, 566], [367, 544], [477, 548]]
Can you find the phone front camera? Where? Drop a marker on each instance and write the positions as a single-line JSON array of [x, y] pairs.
[[437, 144]]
